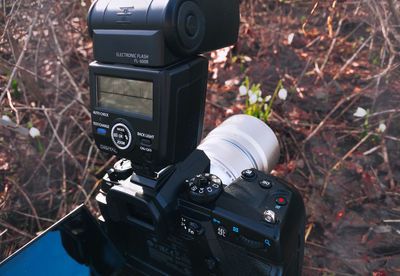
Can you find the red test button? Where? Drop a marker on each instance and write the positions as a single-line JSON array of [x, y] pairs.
[[281, 201]]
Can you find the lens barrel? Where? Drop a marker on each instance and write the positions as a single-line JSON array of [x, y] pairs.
[[240, 142]]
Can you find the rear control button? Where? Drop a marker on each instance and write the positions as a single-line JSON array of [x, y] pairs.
[[269, 216], [281, 201], [248, 174], [222, 232], [266, 184], [195, 228]]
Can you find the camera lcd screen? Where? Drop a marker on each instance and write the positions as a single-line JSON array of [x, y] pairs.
[[75, 245], [129, 95]]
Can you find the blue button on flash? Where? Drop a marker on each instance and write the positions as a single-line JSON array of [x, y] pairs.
[[235, 229], [101, 131]]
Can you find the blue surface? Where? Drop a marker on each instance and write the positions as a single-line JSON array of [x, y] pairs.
[[45, 256]]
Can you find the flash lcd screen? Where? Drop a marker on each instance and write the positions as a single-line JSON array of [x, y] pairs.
[[133, 96]]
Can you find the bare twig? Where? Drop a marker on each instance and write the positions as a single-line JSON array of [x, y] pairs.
[[64, 177], [9, 19], [14, 71], [321, 124], [106, 164], [300, 78], [20, 58], [309, 16], [332, 43], [349, 61], [29, 215], [62, 60], [61, 142], [35, 215], [15, 229], [341, 160], [13, 126]]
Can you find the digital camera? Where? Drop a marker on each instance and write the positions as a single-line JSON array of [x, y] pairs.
[[170, 206]]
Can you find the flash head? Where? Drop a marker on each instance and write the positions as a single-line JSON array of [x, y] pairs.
[[156, 33]]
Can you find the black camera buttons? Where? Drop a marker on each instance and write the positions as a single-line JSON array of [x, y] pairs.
[[222, 232], [204, 188], [191, 227], [121, 136], [249, 174], [269, 216], [145, 142], [281, 201], [101, 131], [265, 184]]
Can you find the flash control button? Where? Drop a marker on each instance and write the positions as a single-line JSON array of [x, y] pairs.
[[121, 136], [146, 142], [101, 131]]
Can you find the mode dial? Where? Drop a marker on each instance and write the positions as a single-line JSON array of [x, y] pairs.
[[204, 188]]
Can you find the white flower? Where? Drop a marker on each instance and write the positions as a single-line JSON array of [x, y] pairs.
[[253, 98], [232, 82], [248, 59], [34, 132], [381, 127], [267, 98], [83, 3], [282, 94], [290, 38], [242, 90], [360, 112], [259, 93], [6, 118]]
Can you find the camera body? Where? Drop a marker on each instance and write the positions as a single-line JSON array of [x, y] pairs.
[[195, 225]]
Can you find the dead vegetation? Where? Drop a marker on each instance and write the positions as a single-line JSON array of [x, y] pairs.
[[347, 167]]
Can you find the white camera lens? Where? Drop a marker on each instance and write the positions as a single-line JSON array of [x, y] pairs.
[[240, 142]]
